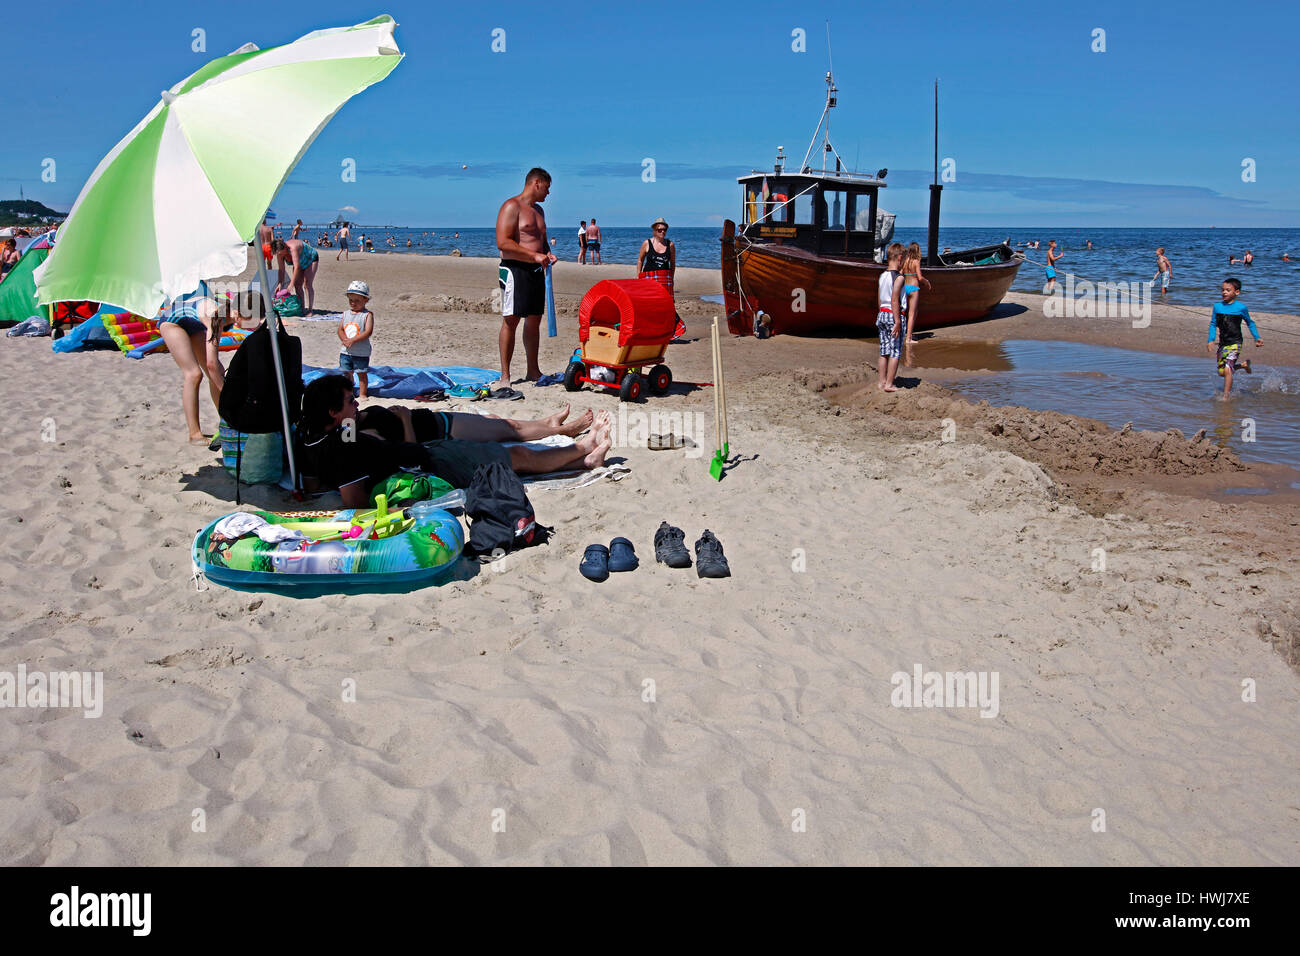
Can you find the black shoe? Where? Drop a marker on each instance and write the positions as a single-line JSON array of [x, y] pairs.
[[710, 562], [622, 557], [670, 547]]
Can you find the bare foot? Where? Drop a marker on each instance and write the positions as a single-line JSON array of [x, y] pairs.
[[889, 388], [1246, 366], [596, 457], [199, 440], [533, 375], [558, 418], [576, 427]]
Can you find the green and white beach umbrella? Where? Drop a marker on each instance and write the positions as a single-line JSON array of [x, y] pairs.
[[179, 198]]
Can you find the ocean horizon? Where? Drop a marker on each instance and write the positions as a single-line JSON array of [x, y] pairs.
[[1199, 256]]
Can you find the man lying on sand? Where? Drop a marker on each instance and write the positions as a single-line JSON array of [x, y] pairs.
[[354, 450]]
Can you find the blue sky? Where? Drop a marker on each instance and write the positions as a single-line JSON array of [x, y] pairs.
[[1044, 131]]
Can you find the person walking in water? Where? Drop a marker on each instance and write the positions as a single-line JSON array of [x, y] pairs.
[[1225, 325], [1052, 257], [525, 254], [1164, 271], [593, 242]]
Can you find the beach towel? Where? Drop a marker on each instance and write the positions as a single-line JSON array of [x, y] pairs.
[[330, 317], [403, 382], [570, 477]]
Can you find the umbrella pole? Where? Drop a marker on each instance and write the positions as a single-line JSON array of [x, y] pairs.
[[273, 321]]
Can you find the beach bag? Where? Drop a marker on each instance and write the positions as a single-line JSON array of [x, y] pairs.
[[250, 398], [500, 514], [287, 306], [406, 487], [254, 459]]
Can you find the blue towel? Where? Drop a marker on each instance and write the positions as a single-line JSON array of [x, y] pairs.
[[403, 382], [550, 305]]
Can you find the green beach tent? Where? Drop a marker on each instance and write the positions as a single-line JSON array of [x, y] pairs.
[[18, 290]]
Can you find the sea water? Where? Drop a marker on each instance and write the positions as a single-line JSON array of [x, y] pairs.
[[1260, 421], [1199, 256]]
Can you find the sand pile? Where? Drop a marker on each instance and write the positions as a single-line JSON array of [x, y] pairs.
[[1063, 444]]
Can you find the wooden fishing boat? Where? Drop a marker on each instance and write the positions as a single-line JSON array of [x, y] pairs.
[[810, 248]]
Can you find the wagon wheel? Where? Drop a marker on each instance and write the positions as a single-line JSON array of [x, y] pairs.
[[575, 369], [630, 390], [660, 379]]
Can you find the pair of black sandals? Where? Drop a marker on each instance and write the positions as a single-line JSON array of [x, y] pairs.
[[598, 561]]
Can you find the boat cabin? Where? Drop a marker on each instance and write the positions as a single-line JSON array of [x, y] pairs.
[[827, 213]]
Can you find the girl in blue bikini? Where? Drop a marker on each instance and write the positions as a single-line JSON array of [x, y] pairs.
[[911, 297], [303, 260]]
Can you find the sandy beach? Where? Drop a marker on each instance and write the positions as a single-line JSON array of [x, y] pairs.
[[526, 715]]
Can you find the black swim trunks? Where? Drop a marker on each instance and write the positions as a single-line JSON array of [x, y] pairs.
[[427, 424], [523, 288]]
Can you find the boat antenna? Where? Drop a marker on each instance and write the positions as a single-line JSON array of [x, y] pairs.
[[936, 130], [830, 60], [831, 91]]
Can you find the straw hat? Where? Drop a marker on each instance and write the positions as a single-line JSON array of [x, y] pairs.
[[661, 221]]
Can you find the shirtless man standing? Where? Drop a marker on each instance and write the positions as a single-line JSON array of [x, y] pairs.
[[265, 235], [521, 237], [1164, 271], [343, 236]]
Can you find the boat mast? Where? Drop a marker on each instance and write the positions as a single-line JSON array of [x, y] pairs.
[[831, 91]]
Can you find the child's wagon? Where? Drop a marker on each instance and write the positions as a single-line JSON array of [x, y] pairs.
[[623, 325]]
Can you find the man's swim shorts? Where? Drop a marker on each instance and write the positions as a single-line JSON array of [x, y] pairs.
[[523, 288]]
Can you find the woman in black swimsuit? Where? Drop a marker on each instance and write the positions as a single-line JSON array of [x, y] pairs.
[[658, 260]]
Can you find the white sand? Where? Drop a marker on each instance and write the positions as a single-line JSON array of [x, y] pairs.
[[521, 690]]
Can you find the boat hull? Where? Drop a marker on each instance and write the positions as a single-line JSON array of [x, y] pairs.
[[805, 293]]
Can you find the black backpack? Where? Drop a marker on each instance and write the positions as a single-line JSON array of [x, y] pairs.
[[501, 516], [250, 398]]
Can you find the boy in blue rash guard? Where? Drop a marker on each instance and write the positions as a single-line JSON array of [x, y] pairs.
[[1225, 322]]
